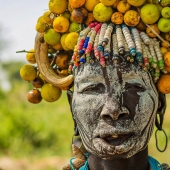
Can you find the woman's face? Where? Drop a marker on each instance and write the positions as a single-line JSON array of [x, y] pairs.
[[114, 108]]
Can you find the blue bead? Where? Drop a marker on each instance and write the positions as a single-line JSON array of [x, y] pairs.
[[133, 51], [100, 48], [81, 52], [82, 60]]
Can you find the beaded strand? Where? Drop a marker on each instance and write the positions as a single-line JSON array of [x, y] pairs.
[[120, 39], [115, 48], [129, 40], [145, 38], [101, 36]]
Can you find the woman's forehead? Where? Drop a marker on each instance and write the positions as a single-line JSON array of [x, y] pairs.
[[114, 73]]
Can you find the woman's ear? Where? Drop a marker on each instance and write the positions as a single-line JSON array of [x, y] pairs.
[[70, 97], [160, 111]]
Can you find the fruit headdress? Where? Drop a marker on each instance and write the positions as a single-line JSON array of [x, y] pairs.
[[71, 31]]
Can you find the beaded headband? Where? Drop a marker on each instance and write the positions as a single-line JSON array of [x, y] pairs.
[[112, 42]]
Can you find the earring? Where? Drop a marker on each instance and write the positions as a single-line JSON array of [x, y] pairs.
[[78, 159]]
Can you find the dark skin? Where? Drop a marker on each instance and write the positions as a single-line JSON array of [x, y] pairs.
[[138, 161]]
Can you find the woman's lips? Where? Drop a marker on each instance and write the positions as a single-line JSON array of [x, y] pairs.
[[116, 140]]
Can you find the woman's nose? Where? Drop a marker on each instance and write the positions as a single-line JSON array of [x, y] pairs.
[[113, 110]]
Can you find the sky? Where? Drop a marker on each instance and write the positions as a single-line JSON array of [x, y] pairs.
[[17, 26]]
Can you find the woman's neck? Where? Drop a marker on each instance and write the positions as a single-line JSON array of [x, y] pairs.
[[137, 162]]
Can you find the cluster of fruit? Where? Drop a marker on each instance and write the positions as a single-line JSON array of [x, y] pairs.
[[62, 23]]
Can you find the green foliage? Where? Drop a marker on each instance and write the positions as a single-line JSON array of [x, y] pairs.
[[33, 129]]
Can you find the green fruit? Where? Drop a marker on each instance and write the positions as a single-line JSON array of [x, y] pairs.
[[164, 24], [50, 93], [28, 72], [52, 37], [102, 13], [165, 12], [149, 13], [74, 27], [165, 3], [67, 15]]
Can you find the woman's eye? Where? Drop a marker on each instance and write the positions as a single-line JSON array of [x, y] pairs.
[[135, 87], [94, 88]]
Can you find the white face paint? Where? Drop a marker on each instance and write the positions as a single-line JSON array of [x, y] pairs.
[[114, 108]]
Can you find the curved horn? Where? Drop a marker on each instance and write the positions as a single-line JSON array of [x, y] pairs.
[[41, 55]]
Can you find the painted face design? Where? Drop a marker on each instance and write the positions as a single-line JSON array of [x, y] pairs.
[[114, 108]]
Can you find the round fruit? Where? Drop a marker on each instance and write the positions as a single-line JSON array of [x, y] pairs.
[[34, 96], [163, 84], [61, 24], [117, 18], [58, 46], [163, 50], [131, 18], [136, 2], [102, 13], [30, 56], [115, 4], [28, 72], [90, 4], [90, 18], [167, 36], [123, 6], [167, 68], [46, 17], [62, 41], [108, 2], [71, 40], [66, 14], [141, 26], [76, 4], [155, 28], [167, 59], [52, 37], [37, 82], [79, 15], [50, 93], [165, 12], [149, 13], [63, 60], [165, 44], [164, 25], [57, 6], [41, 27], [74, 27]]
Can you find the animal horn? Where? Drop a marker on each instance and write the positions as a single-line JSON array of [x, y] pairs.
[[41, 55]]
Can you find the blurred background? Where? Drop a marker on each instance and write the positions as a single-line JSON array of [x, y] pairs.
[[36, 136]]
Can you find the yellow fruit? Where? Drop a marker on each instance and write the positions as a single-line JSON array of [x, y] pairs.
[[90, 4], [30, 56], [52, 37], [102, 13], [167, 36], [58, 46], [155, 28], [163, 50], [136, 2], [62, 41], [117, 18], [61, 24], [141, 26], [28, 72], [41, 27], [71, 40], [131, 18], [46, 17], [123, 6], [50, 93], [57, 6], [165, 44], [149, 13], [163, 84], [167, 59], [108, 2], [115, 4], [76, 4]]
